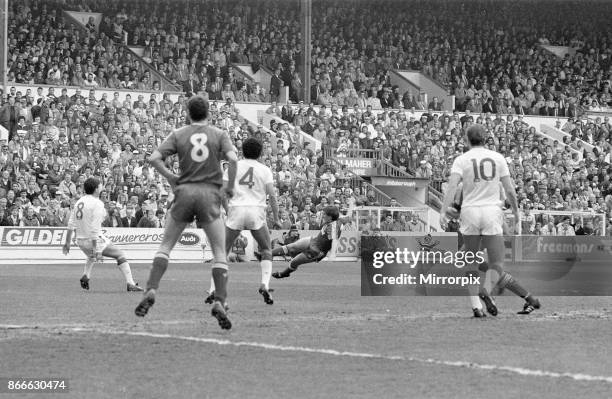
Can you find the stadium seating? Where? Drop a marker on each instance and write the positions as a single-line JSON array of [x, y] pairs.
[[492, 66], [501, 59]]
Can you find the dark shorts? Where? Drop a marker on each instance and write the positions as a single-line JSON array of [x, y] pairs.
[[199, 200], [315, 254], [304, 246]]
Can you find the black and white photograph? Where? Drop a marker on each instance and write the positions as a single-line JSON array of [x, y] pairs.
[[302, 199]]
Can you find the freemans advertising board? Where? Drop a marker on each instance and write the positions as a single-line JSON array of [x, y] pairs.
[[565, 248]]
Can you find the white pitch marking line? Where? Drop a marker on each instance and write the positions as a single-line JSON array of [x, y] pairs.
[[559, 316], [333, 352], [92, 325]]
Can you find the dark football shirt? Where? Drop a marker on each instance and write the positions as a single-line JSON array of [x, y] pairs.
[[323, 240], [200, 149]]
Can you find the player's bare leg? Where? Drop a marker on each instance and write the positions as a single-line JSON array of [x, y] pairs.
[[473, 244], [230, 237], [215, 231], [495, 248], [300, 259], [172, 233], [474, 293], [475, 301], [262, 237], [89, 263], [294, 249], [112, 251], [483, 292]]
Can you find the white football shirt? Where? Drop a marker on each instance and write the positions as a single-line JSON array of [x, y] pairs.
[[481, 171], [87, 217], [251, 179]]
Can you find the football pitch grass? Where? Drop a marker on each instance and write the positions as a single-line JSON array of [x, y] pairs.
[[320, 339]]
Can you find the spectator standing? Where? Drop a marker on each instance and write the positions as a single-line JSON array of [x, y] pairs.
[[565, 228], [276, 84], [9, 114]]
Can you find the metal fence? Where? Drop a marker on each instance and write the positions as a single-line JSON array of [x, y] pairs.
[[331, 152], [547, 222], [379, 218]]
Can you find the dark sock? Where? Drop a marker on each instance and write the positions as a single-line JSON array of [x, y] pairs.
[[219, 275], [514, 286], [483, 291], [483, 267], [284, 273], [160, 264]]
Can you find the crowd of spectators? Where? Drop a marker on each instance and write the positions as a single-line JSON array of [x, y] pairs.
[[58, 143], [544, 224], [44, 49], [551, 175], [494, 67], [54, 146], [496, 64]]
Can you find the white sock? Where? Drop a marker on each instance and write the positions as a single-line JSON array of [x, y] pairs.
[[266, 272], [212, 285], [474, 299], [127, 272], [88, 267], [475, 302]]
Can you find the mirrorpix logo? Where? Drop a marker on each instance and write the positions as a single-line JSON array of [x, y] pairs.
[[427, 243]]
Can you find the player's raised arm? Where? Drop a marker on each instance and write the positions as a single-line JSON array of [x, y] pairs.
[[167, 148]]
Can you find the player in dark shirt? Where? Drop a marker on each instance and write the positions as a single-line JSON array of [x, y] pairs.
[[311, 249], [200, 148]]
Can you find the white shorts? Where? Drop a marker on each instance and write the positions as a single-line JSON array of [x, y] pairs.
[[86, 245], [482, 220], [246, 218]]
